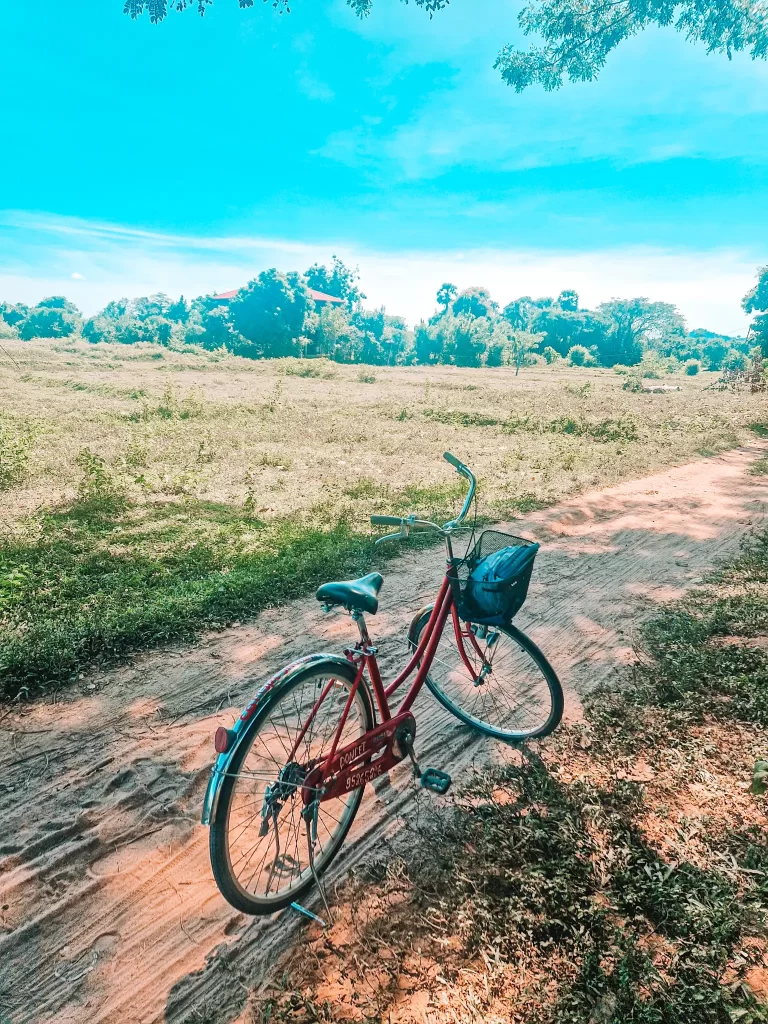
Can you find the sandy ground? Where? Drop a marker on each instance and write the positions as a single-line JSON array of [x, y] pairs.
[[108, 911]]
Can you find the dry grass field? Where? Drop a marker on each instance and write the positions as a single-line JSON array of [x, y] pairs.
[[146, 493]]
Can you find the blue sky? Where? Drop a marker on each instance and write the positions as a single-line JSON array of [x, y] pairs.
[[190, 155]]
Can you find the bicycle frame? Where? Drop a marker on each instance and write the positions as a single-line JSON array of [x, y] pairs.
[[350, 767]]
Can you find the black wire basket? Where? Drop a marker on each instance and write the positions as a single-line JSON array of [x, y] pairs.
[[506, 596]]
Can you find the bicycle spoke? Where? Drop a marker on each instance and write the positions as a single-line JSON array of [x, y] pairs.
[[269, 867], [509, 694]]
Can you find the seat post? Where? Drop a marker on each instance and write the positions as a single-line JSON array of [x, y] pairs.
[[362, 627]]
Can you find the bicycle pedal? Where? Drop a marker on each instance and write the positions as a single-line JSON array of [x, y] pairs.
[[437, 781]]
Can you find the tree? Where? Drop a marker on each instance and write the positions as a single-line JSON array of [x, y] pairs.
[[99, 329], [469, 340], [519, 313], [13, 313], [340, 281], [579, 355], [568, 300], [130, 330], [152, 305], [735, 360], [562, 328], [756, 301], [270, 311], [397, 340], [212, 329], [578, 35], [429, 345], [634, 321], [521, 345], [371, 323], [178, 311], [446, 293], [332, 335], [55, 317], [115, 309], [474, 302]]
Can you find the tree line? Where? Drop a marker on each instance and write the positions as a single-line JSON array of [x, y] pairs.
[[276, 315]]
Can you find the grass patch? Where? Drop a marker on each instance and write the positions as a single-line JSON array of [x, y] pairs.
[[601, 430], [16, 443], [457, 418], [321, 369], [620, 876], [89, 387], [103, 577], [604, 430]]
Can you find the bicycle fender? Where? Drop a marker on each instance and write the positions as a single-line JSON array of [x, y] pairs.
[[413, 629], [221, 765]]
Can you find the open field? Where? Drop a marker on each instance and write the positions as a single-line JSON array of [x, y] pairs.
[[148, 492]]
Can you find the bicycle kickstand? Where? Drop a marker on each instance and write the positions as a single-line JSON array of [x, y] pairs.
[[309, 814]]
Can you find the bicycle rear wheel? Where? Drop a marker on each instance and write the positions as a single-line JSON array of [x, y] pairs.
[[258, 844], [512, 694]]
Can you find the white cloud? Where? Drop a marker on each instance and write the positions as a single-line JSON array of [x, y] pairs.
[[707, 286], [77, 277]]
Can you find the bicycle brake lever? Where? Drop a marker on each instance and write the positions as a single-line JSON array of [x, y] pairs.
[[403, 532]]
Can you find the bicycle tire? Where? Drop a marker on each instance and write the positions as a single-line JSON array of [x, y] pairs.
[[549, 721], [228, 882]]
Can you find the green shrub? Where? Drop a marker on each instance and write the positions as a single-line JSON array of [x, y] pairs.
[[15, 445], [457, 418], [633, 383], [735, 361], [652, 365], [692, 367], [579, 355], [604, 430], [6, 331], [99, 493]]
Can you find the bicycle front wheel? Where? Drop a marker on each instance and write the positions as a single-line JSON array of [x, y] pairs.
[[512, 693], [258, 843]]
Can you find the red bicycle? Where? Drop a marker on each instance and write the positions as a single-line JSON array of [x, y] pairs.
[[290, 774]]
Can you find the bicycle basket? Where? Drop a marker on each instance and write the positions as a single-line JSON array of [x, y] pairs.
[[491, 582]]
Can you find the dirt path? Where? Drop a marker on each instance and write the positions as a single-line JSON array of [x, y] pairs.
[[108, 912]]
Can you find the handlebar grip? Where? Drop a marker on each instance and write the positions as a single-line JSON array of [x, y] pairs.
[[456, 463], [386, 520]]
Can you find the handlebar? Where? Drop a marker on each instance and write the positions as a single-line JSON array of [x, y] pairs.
[[465, 471], [386, 520], [456, 463], [406, 524]]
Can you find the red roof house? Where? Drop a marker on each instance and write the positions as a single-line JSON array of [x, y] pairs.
[[320, 298]]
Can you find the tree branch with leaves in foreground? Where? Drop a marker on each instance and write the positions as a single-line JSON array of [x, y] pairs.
[[577, 35]]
